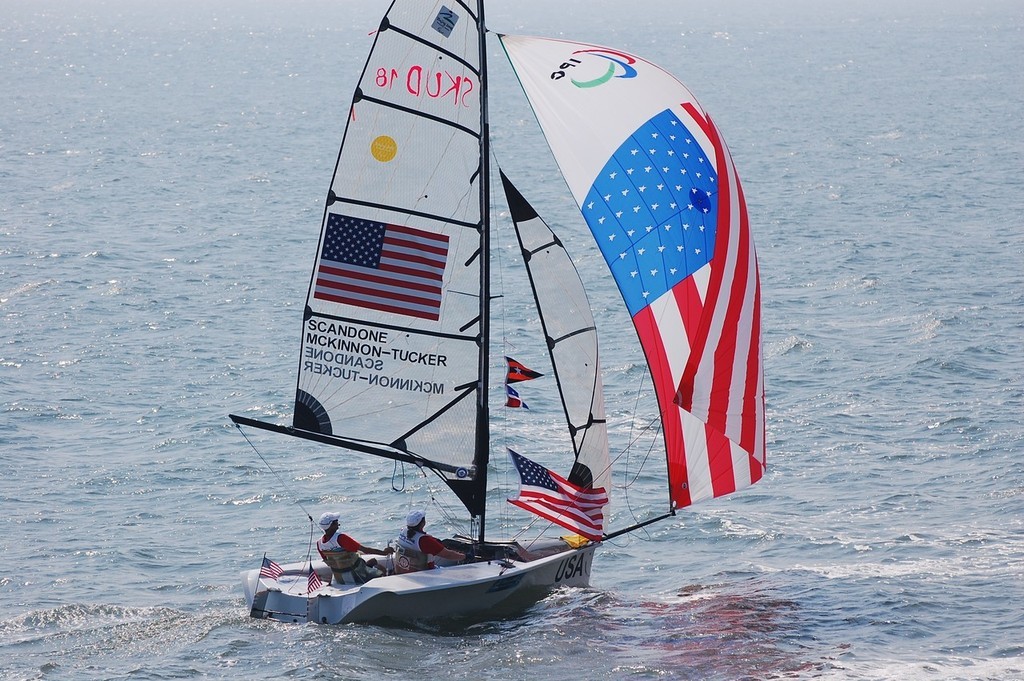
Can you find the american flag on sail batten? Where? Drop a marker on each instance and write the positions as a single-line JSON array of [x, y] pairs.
[[390, 268]]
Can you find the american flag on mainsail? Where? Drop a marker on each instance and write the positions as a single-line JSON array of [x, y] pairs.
[[554, 498], [384, 267], [270, 569]]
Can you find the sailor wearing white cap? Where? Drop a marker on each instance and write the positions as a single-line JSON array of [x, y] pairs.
[[341, 553], [416, 548]]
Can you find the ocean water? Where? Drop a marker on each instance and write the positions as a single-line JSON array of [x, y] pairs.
[[162, 176]]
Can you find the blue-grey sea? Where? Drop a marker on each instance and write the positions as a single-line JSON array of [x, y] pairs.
[[163, 169]]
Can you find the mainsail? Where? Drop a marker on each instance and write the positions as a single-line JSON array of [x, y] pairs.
[[394, 333], [656, 185]]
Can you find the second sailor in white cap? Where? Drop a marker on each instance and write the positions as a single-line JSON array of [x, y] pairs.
[[416, 548]]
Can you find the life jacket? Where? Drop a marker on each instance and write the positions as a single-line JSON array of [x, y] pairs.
[[408, 557], [338, 559]]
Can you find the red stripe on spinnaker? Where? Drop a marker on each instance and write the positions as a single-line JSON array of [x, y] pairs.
[[738, 360], [753, 398], [690, 305], [720, 466], [665, 388], [699, 334], [724, 389], [719, 452]]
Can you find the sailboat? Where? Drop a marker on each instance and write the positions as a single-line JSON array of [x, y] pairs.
[[395, 338]]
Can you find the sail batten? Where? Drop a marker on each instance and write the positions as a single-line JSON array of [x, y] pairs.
[[419, 39], [413, 112], [408, 211]]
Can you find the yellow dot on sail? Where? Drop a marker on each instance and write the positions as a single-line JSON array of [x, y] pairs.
[[384, 148]]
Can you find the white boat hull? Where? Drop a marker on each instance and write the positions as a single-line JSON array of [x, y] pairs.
[[485, 588]]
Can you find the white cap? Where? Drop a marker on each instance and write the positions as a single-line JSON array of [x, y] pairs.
[[327, 518], [414, 518]]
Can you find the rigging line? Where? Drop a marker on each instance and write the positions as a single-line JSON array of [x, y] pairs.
[[447, 514], [445, 511], [626, 486], [632, 423], [636, 406], [625, 472], [625, 452], [638, 523], [534, 520], [394, 475], [309, 548], [276, 475], [650, 449]]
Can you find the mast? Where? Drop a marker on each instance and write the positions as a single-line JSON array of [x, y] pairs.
[[483, 440]]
